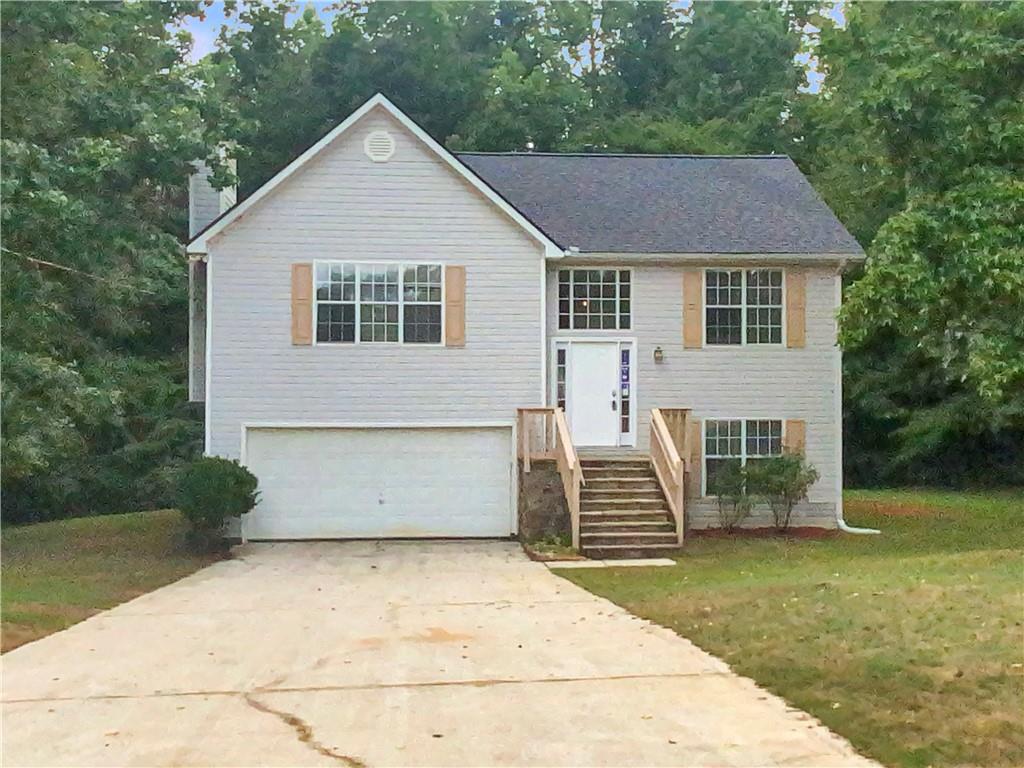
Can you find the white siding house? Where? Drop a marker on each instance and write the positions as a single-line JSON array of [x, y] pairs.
[[377, 312]]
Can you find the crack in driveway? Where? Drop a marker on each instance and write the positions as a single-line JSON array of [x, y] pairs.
[[274, 687], [303, 731]]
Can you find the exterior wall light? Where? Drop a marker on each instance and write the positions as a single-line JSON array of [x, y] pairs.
[[659, 356]]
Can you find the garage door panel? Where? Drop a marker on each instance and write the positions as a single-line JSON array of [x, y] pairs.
[[347, 483]]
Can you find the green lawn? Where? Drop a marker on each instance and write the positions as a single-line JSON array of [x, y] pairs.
[[56, 574], [910, 644]]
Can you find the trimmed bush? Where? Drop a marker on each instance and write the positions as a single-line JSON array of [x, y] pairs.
[[731, 490], [782, 481], [211, 490]]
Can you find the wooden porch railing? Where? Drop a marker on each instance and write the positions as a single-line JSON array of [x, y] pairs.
[[668, 436], [544, 434]]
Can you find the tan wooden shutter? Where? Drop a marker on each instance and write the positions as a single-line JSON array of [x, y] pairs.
[[302, 304], [693, 308], [696, 452], [796, 307], [795, 439], [455, 306]]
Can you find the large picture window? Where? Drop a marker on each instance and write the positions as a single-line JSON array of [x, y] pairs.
[[743, 306], [738, 442], [365, 303], [594, 299]]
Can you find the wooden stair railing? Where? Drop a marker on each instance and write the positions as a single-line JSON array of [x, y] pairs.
[[544, 434], [669, 466]]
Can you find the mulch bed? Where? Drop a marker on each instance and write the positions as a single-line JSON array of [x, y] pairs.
[[806, 532]]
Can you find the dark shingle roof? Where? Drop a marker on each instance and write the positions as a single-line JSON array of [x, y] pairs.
[[667, 203]]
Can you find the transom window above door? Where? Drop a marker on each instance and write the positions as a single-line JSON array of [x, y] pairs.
[[364, 303], [590, 299], [743, 306]]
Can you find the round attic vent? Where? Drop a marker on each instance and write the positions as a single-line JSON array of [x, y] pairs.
[[379, 146]]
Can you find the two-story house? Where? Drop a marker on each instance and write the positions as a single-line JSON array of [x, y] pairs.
[[368, 324]]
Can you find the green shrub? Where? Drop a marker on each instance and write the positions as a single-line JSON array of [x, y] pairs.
[[783, 481], [211, 490], [730, 486]]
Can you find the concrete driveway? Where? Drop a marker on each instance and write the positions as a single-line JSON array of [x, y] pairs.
[[453, 653]]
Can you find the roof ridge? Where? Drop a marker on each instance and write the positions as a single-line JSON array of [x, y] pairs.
[[641, 155]]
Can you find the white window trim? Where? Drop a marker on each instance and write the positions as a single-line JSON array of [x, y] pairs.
[[626, 439], [618, 283], [743, 309], [402, 265], [743, 442]]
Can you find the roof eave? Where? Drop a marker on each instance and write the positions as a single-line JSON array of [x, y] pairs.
[[820, 257]]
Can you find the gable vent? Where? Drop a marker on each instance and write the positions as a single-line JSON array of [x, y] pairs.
[[379, 146]]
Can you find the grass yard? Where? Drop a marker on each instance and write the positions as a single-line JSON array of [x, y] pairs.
[[56, 574], [910, 644]]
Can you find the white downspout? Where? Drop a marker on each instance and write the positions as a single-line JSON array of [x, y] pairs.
[[840, 522]]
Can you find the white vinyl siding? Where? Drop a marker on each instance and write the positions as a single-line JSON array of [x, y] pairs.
[[742, 382], [413, 209]]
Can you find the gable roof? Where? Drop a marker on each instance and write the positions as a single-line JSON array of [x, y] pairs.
[[671, 204], [623, 203], [198, 244]]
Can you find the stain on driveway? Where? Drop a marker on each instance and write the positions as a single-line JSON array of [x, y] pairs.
[[397, 653]]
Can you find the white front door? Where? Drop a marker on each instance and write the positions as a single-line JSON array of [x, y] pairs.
[[594, 393]]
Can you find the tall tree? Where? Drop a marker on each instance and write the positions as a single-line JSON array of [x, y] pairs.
[[100, 118], [934, 95]]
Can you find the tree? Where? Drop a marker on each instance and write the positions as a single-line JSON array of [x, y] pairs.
[[933, 328], [100, 118]]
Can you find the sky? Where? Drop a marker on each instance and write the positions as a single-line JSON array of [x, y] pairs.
[[205, 31]]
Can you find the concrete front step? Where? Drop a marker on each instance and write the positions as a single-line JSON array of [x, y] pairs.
[[631, 538], [629, 551], [605, 503]]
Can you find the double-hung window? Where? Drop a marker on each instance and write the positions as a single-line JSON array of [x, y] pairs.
[[590, 299], [743, 306], [738, 442], [385, 303]]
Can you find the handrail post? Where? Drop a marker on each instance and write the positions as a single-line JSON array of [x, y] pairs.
[[524, 437]]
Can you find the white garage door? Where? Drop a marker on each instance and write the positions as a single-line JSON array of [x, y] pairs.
[[382, 482]]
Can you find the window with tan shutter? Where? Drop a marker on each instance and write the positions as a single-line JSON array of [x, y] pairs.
[[386, 303], [743, 306]]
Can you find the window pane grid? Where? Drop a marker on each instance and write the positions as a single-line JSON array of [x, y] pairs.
[[594, 299], [738, 441], [624, 393], [743, 306], [724, 301], [560, 356], [421, 291], [387, 303], [764, 306]]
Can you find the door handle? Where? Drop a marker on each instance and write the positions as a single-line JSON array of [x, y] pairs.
[[615, 401]]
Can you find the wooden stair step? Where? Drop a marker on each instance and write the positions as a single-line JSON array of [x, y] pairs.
[[623, 515], [625, 502], [627, 525]]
